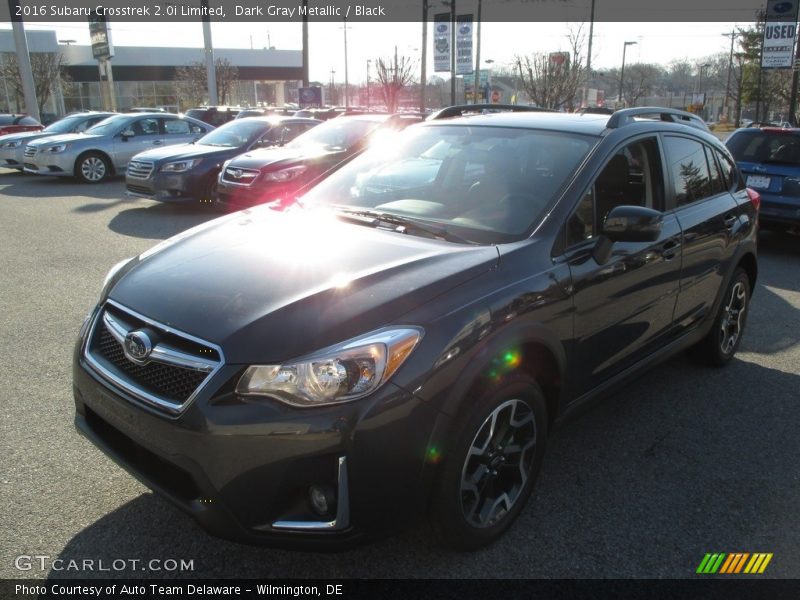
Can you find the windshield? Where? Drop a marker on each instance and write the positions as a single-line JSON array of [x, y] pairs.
[[335, 134], [110, 125], [484, 184], [237, 133], [766, 147], [65, 125]]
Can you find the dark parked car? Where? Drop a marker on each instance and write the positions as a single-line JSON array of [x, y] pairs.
[[12, 146], [403, 340], [214, 115], [276, 174], [11, 123], [188, 172], [769, 158]]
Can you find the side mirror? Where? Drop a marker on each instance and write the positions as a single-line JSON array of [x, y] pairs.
[[627, 224]]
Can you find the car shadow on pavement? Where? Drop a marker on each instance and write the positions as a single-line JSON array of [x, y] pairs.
[[685, 461], [160, 220], [39, 187]]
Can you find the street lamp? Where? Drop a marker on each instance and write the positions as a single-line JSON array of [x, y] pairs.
[[369, 62], [622, 71]]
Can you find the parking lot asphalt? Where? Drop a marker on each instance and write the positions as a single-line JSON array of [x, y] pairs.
[[686, 460]]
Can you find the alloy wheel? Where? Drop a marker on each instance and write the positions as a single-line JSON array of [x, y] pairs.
[[498, 463], [733, 318], [93, 168]]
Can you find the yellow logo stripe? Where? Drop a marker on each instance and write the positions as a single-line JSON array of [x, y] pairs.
[[742, 560], [765, 563]]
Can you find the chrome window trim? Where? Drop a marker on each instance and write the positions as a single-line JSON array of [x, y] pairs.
[[128, 386], [342, 519]]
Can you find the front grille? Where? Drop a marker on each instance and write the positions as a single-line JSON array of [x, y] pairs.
[[240, 176], [139, 189], [164, 380], [140, 169], [30, 151]]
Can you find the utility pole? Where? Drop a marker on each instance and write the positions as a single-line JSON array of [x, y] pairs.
[[211, 71], [731, 35], [452, 52], [305, 43], [423, 66], [24, 62], [793, 95], [589, 58], [477, 58], [346, 78]]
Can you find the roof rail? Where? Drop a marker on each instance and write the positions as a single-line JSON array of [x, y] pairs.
[[626, 116], [459, 109]]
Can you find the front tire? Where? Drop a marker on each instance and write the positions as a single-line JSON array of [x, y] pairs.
[[722, 341], [492, 464], [92, 167]]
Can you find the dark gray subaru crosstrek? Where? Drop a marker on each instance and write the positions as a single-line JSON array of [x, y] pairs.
[[402, 340]]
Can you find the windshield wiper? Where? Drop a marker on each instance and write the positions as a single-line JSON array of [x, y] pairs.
[[404, 224]]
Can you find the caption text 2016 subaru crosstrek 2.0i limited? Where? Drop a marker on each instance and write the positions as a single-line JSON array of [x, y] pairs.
[[401, 341]]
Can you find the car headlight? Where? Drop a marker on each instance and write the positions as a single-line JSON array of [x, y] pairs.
[[55, 149], [285, 174], [342, 373], [12, 144], [180, 166]]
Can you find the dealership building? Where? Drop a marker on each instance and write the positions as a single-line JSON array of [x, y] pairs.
[[147, 76]]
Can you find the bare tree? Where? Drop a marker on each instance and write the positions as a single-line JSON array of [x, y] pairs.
[[191, 82], [393, 76], [551, 80], [48, 72], [640, 78]]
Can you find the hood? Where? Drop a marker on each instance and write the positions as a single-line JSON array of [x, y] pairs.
[[25, 136], [269, 286], [185, 151], [64, 137], [271, 157]]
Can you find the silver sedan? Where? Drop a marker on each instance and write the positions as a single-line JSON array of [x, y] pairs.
[[12, 146], [106, 148]]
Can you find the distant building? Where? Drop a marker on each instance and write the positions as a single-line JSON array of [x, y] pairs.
[[145, 76]]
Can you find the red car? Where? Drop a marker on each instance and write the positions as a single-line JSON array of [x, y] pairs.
[[10, 123]]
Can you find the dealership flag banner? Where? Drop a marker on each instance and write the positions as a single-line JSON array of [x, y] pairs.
[[464, 45], [441, 42], [780, 31]]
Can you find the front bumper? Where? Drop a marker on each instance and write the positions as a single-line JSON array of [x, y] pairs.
[[233, 196], [243, 470], [59, 165], [186, 187], [11, 158]]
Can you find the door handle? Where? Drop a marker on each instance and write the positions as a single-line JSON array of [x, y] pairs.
[[670, 249], [157, 143], [730, 221]]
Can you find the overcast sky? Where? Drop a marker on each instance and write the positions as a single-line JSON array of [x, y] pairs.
[[656, 42]]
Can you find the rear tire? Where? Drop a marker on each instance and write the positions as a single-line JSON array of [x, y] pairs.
[[92, 167], [490, 468], [722, 341]]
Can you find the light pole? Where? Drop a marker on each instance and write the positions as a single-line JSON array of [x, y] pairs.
[[368, 63], [703, 68], [622, 71], [333, 72], [346, 79]]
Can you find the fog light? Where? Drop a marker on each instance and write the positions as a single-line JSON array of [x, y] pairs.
[[321, 498]]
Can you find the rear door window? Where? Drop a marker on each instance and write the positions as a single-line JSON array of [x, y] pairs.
[[689, 170]]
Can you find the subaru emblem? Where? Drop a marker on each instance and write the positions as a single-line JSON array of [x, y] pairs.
[[137, 347]]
